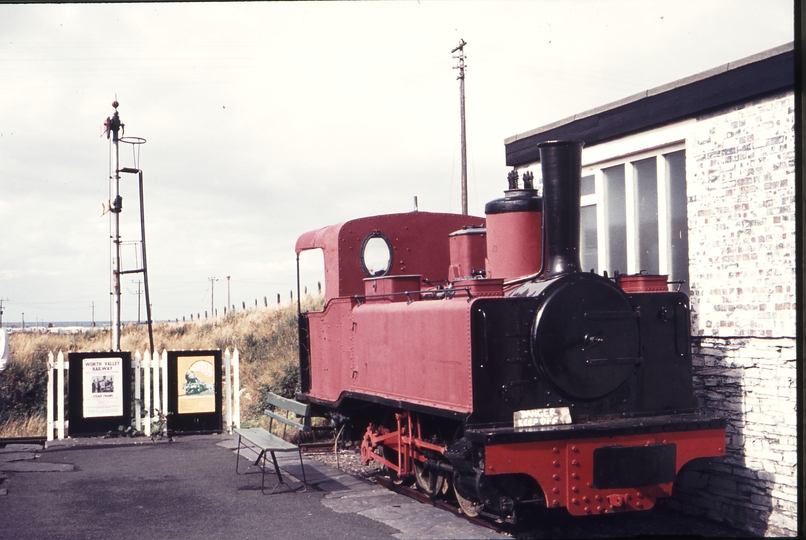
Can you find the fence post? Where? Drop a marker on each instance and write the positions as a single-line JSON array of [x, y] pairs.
[[147, 392], [50, 396], [164, 362], [138, 384], [155, 381], [236, 389], [60, 394], [228, 389]]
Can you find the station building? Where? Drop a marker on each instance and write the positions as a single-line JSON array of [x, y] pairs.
[[696, 180]]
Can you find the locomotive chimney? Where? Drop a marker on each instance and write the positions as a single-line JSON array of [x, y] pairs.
[[561, 163]]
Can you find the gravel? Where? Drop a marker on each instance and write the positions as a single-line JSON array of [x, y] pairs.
[[348, 461]]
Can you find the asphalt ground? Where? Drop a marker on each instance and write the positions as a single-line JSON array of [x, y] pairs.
[[188, 488]]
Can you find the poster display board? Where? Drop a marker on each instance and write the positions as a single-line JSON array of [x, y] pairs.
[[102, 387], [194, 391], [99, 392]]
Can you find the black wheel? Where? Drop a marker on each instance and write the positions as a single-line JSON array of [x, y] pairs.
[[470, 508], [430, 481]]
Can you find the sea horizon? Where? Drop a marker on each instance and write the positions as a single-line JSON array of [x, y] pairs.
[[81, 325]]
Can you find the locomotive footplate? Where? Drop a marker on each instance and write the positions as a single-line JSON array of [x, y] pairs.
[[603, 428], [605, 467]]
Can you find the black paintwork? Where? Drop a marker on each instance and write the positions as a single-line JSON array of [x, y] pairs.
[[604, 427], [516, 200], [617, 467], [304, 353], [531, 352]]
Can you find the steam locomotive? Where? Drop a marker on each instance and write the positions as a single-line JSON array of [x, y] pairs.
[[475, 354]]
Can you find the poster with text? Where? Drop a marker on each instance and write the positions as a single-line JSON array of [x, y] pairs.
[[102, 387], [196, 376]]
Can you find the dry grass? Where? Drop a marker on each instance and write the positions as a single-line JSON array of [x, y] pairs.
[[266, 340], [33, 425]]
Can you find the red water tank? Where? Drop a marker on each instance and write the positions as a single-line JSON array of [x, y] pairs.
[[468, 250], [643, 283]]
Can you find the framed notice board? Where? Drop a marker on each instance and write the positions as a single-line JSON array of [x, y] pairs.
[[194, 392], [99, 392]]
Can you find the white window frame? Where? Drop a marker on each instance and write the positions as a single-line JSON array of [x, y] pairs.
[[598, 198], [625, 150]]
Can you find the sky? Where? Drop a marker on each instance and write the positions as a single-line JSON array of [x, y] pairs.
[[264, 121]]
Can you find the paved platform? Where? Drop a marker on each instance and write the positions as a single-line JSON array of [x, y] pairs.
[[136, 488]]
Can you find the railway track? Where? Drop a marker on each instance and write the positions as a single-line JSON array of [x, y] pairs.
[[413, 493], [322, 450], [317, 447], [536, 524]]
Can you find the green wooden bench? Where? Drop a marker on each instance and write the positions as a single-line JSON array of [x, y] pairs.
[[264, 442]]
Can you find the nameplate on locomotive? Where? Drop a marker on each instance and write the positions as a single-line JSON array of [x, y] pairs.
[[542, 417]]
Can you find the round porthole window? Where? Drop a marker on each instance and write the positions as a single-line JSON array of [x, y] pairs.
[[376, 255]]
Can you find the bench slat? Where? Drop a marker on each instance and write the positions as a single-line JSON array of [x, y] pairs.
[[284, 420], [265, 441], [300, 409]]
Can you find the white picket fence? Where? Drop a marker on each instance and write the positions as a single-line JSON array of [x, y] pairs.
[[150, 393]]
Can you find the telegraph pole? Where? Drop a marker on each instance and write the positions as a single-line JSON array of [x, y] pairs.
[[461, 77], [1, 311], [212, 295], [138, 300]]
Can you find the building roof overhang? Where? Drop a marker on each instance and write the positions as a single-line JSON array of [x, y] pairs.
[[766, 73]]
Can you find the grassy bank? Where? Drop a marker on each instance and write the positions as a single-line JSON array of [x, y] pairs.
[[266, 340]]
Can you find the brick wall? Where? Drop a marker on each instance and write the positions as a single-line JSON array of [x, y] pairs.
[[751, 383], [741, 187], [740, 167]]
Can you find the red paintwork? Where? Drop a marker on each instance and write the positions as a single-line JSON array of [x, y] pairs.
[[419, 242], [481, 287], [514, 244], [468, 251], [418, 352], [331, 349], [643, 283], [391, 346], [393, 288], [554, 464], [406, 441]]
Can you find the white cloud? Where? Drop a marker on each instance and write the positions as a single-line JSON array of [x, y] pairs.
[[265, 120]]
